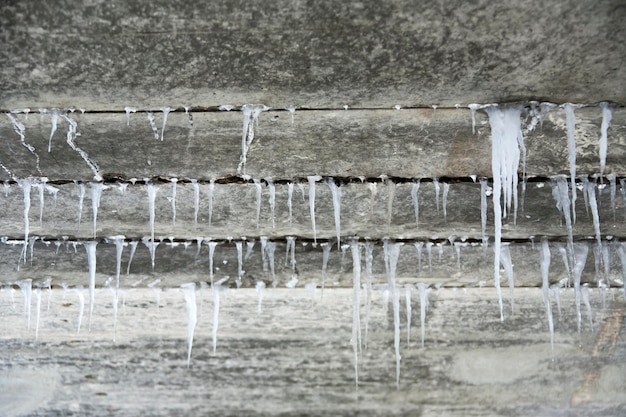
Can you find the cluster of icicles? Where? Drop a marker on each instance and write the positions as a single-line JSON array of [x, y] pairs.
[[508, 150]]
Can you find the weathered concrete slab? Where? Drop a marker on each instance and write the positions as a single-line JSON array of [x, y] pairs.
[[295, 356], [410, 143], [107, 55]]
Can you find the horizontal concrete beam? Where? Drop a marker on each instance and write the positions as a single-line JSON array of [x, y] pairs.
[[407, 143], [103, 56]]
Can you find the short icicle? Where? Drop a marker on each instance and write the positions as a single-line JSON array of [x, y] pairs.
[[356, 301], [336, 193], [26, 286], [437, 192], [326, 246], [290, 200], [544, 263], [189, 291], [312, 179], [212, 246], [251, 114], [96, 193], [174, 182], [444, 201], [272, 200], [90, 247], [392, 253], [239, 247], [391, 193], [196, 200]]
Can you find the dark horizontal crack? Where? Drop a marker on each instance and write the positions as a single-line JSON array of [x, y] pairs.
[[113, 179]]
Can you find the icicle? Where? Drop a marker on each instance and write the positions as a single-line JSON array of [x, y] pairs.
[[585, 295], [189, 291], [560, 192], [26, 187], [270, 247], [457, 249], [581, 250], [128, 111], [292, 110], [437, 191], [189, 117], [212, 246], [155, 130], [196, 200], [151, 245], [152, 190], [326, 246], [336, 193], [415, 198], [291, 248], [19, 128], [133, 248], [418, 248], [260, 286], [54, 118], [356, 301], [249, 248], [312, 179], [211, 194], [590, 189], [505, 132], [41, 185], [446, 190], [571, 145], [26, 286], [81, 306], [38, 297], [272, 199], [563, 253], [473, 107], [166, 111], [392, 253], [90, 247], [544, 262], [429, 251], [607, 115], [96, 193], [289, 200], [369, 259], [239, 246], [119, 247], [423, 290], [251, 113], [407, 296], [505, 260], [174, 181]]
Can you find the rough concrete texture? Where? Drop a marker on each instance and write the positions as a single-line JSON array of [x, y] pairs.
[[130, 97], [107, 55], [294, 358]]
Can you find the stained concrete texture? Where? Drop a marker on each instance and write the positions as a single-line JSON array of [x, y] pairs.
[[209, 128]]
